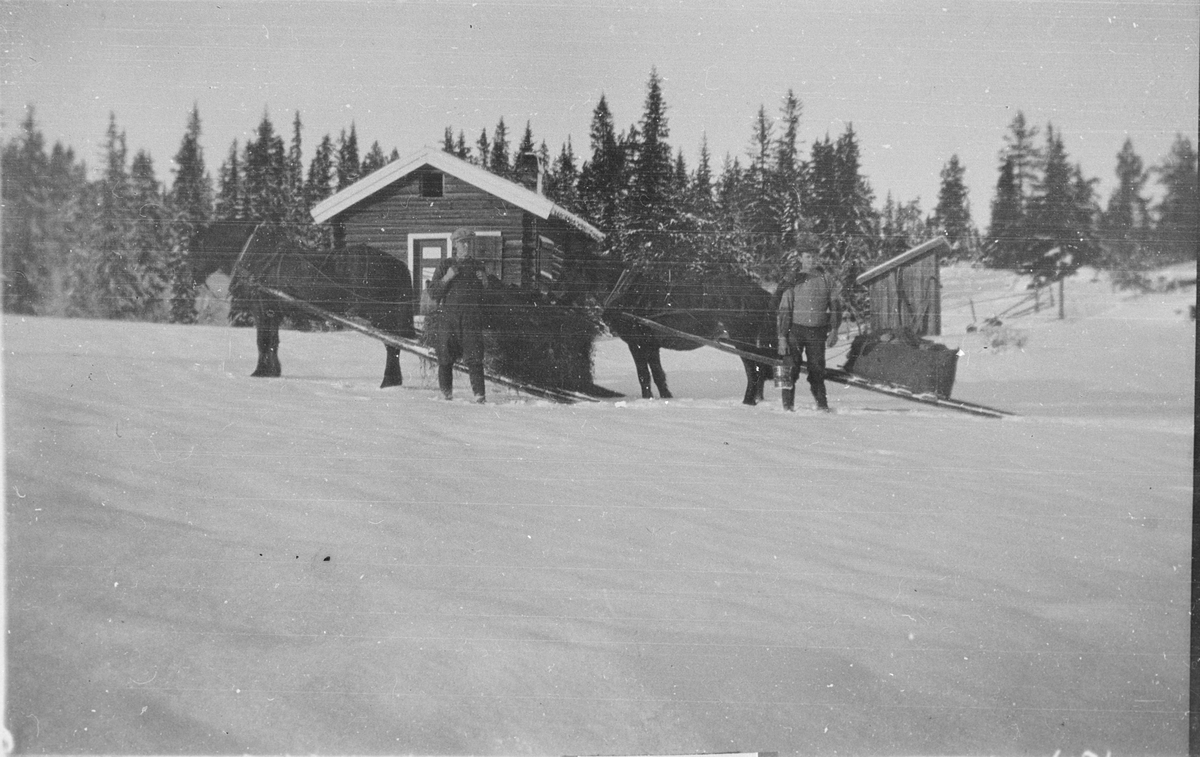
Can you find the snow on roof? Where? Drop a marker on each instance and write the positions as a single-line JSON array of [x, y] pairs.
[[915, 253], [523, 198]]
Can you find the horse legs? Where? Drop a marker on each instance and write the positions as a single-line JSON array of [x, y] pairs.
[[389, 318], [391, 369], [267, 325], [755, 381], [654, 358], [648, 361], [643, 369], [765, 374]]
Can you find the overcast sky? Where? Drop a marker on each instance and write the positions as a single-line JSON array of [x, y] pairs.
[[919, 81]]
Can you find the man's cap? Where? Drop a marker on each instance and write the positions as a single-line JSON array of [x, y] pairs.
[[461, 234]]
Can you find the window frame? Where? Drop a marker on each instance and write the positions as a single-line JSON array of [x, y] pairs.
[[427, 190]]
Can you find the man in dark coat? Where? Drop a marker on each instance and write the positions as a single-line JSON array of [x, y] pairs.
[[458, 287], [810, 312]]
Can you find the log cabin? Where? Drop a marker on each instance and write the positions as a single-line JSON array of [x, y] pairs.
[[410, 207]]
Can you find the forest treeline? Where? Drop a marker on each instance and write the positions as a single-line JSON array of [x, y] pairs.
[[116, 246]]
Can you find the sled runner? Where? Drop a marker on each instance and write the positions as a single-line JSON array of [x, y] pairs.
[[837, 375]]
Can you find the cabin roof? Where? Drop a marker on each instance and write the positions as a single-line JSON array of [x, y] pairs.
[[916, 253], [506, 190]]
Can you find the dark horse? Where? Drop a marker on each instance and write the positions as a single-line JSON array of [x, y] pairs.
[[727, 305], [358, 281]]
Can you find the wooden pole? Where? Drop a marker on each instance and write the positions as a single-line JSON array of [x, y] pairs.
[[425, 353], [1061, 309]]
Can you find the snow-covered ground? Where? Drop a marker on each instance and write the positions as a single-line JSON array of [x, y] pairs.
[[202, 562]]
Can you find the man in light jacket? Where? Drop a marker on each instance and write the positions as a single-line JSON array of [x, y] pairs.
[[810, 312]]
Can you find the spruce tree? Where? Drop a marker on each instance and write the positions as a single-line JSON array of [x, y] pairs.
[[26, 205], [448, 140], [788, 190], [681, 183], [483, 148], [116, 286], [953, 212], [317, 187], [499, 162], [731, 196], [526, 145], [190, 206], [563, 178], [823, 190], [650, 207], [701, 204], [1060, 225], [1006, 234], [45, 224], [62, 255], [728, 185], [760, 151], [191, 193], [702, 181], [839, 213], [265, 174], [902, 226], [602, 178], [375, 160], [760, 212], [296, 209], [851, 247], [230, 205], [630, 144], [319, 183], [1011, 228], [461, 151], [1178, 225], [1020, 148], [348, 167], [149, 252], [889, 229], [1051, 210], [1125, 224]]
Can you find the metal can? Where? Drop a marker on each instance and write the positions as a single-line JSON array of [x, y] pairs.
[[783, 374]]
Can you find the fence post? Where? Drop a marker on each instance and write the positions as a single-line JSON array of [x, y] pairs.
[[1061, 309]]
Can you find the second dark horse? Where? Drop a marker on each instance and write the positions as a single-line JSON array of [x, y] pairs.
[[727, 305], [358, 281]]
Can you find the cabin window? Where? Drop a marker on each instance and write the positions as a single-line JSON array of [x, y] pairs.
[[431, 184]]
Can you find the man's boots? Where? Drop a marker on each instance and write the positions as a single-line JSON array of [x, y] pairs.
[[446, 379], [477, 382], [789, 399], [818, 392]]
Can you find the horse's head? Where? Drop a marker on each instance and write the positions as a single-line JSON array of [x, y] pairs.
[[216, 247]]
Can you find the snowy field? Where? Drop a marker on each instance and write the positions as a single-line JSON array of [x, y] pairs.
[[202, 562]]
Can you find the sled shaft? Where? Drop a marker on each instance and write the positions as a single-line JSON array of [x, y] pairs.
[[837, 375], [420, 350]]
